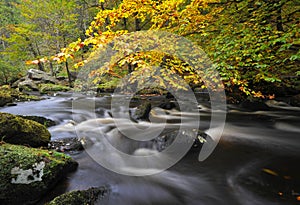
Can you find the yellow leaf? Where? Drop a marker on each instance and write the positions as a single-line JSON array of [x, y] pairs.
[[269, 171]]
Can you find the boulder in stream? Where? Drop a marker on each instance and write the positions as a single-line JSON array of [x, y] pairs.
[[26, 174], [42, 120], [91, 196], [142, 111], [5, 98], [9, 95], [17, 130]]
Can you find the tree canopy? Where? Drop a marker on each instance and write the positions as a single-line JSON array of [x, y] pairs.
[[253, 44]]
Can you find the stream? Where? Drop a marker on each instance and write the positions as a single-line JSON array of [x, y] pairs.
[[256, 161]]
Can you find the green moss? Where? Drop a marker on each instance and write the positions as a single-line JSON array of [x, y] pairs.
[[56, 165], [5, 98], [42, 120], [84, 197], [109, 84], [17, 130], [142, 111], [152, 91], [45, 88], [8, 95]]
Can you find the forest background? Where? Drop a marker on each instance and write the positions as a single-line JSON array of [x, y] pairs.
[[253, 44]]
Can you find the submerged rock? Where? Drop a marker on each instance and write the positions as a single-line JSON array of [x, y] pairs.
[[71, 145], [26, 174], [80, 197], [254, 105], [17, 130]]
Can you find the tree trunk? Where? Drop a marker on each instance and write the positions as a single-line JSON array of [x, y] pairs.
[[35, 54], [137, 24], [279, 20], [3, 45], [51, 69], [69, 75], [41, 67], [103, 8], [125, 23]]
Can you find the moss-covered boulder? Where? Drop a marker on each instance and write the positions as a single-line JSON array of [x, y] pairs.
[[142, 111], [17, 130], [42, 120], [9, 95], [28, 85], [91, 196], [27, 174], [5, 98], [48, 88]]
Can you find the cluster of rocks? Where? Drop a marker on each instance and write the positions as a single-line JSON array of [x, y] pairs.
[[28, 169], [37, 80], [31, 165]]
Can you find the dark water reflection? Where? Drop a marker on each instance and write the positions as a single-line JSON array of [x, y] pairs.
[[256, 161]]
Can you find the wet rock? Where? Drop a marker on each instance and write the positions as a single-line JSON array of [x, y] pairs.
[[142, 111], [11, 104], [91, 196], [42, 120], [27, 174], [295, 100], [168, 105], [17, 130], [254, 105], [72, 145]]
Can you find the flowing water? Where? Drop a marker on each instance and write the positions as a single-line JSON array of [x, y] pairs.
[[255, 162]]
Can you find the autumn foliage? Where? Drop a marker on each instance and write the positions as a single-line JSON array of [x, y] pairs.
[[254, 45]]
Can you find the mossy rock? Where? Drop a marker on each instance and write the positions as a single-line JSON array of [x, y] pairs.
[[42, 120], [17, 130], [5, 98], [47, 88], [28, 173], [90, 197], [9, 95], [142, 111]]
